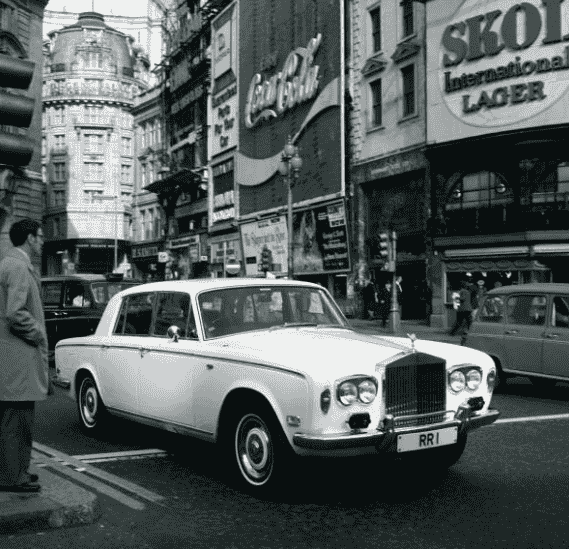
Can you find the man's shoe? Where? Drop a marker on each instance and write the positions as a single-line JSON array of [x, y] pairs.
[[26, 487]]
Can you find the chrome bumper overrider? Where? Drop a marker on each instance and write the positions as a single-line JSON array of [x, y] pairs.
[[385, 435], [58, 382]]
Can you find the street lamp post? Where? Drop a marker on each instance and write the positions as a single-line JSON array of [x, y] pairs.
[[289, 167]]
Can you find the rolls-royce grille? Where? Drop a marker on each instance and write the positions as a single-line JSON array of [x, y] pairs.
[[415, 385]]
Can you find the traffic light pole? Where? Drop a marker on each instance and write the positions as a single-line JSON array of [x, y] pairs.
[[394, 314]]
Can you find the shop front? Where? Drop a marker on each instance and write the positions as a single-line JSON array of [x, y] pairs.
[[497, 126], [185, 257], [145, 261], [225, 255], [396, 198]]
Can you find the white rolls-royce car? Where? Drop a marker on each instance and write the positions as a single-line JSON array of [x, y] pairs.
[[271, 371]]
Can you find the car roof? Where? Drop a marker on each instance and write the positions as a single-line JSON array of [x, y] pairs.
[[200, 284], [547, 287]]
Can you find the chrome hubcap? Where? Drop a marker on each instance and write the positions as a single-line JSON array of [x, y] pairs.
[[254, 449], [89, 404]]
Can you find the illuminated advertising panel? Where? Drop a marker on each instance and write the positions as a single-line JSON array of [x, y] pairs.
[[495, 66], [290, 67]]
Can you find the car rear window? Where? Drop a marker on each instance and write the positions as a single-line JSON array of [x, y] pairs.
[[51, 293], [527, 309], [492, 309], [103, 291]]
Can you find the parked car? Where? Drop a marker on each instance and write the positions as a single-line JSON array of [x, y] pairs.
[[525, 329], [74, 304], [271, 371]]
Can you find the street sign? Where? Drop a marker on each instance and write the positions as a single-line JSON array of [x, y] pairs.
[[232, 267], [162, 257]]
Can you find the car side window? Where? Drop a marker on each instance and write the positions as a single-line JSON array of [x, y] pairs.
[[51, 293], [492, 309], [527, 309], [76, 295], [136, 315], [560, 312], [172, 309]]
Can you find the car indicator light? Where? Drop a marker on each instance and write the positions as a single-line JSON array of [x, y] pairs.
[[325, 400]]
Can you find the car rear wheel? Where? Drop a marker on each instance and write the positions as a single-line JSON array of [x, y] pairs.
[[260, 453], [90, 406]]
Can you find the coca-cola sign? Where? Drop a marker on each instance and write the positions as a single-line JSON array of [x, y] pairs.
[[295, 83]]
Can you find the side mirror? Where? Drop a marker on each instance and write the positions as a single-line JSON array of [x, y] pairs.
[[174, 333]]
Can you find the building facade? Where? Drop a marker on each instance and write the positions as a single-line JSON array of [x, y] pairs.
[[92, 73], [388, 140], [21, 189], [291, 82], [497, 124]]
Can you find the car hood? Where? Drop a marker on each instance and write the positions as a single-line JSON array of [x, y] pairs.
[[330, 351]]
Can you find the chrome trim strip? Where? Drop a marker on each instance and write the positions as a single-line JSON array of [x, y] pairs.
[[463, 419], [165, 425]]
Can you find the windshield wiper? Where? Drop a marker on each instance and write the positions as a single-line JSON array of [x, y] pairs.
[[293, 325]]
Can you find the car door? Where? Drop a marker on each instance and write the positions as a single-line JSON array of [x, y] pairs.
[[523, 332], [169, 369], [556, 338], [51, 297], [487, 331], [123, 352], [76, 314]]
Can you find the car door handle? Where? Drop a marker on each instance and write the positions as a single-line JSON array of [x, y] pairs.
[[552, 336], [143, 351], [510, 332]]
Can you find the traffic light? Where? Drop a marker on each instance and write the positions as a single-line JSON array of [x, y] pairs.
[[266, 259], [15, 110], [384, 246]]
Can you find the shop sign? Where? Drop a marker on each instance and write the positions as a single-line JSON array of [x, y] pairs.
[[222, 215], [394, 165], [225, 122], [223, 42], [271, 233], [194, 252], [295, 83], [222, 251], [147, 251], [163, 257], [184, 241], [498, 65], [224, 208]]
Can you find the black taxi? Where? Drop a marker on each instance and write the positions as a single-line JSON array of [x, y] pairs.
[[74, 304]]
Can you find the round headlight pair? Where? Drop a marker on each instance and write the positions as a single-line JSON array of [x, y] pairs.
[[465, 379], [349, 391]]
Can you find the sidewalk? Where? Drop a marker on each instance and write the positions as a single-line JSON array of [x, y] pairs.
[[61, 503], [417, 327]]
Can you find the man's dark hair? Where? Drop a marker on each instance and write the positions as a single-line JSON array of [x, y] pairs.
[[20, 230]]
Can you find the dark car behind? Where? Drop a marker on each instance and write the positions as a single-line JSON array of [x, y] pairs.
[[74, 304]]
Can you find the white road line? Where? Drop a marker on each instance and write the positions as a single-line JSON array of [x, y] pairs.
[[532, 418], [118, 455], [103, 475]]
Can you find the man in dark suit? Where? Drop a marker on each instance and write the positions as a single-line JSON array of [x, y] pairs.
[[24, 376]]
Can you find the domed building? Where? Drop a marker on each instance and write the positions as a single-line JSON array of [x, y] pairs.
[[92, 73]]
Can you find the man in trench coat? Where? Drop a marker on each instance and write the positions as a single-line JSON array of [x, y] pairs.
[[23, 355]]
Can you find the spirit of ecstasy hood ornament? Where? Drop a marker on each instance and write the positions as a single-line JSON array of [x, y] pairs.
[[413, 338]]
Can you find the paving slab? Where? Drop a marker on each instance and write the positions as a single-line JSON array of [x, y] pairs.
[[60, 503]]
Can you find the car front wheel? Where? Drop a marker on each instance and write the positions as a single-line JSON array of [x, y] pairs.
[[261, 454], [90, 406]]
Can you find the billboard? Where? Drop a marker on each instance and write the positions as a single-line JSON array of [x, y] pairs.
[[495, 66], [271, 233], [290, 81]]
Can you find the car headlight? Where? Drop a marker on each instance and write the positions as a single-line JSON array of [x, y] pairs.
[[347, 393], [457, 381], [473, 379], [367, 391]]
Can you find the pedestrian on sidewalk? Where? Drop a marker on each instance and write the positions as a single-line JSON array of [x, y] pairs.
[[463, 313], [384, 303], [24, 377], [369, 296]]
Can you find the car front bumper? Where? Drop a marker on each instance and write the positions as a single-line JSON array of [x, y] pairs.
[[385, 436]]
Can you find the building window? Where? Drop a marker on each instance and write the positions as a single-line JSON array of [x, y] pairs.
[[158, 131], [93, 60], [157, 223], [93, 143], [58, 116], [126, 173], [44, 145], [127, 146], [58, 198], [409, 100], [142, 135], [59, 171], [142, 221], [375, 15], [92, 195], [7, 19], [92, 113], [59, 141], [93, 171], [56, 227], [407, 18], [376, 103], [144, 174]]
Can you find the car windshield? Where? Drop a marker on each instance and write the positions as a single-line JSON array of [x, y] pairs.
[[103, 291], [233, 310]]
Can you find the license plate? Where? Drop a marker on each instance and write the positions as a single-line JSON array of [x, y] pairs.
[[427, 439]]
